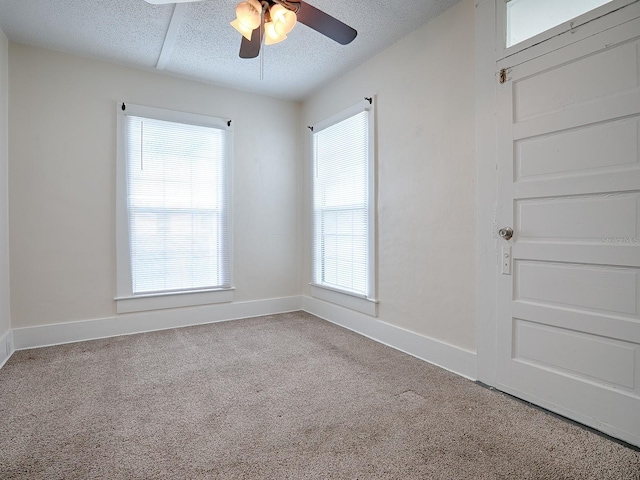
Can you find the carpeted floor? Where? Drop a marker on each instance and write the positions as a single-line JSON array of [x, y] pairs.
[[281, 397]]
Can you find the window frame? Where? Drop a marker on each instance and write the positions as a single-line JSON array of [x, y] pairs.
[[367, 303], [536, 45], [126, 300]]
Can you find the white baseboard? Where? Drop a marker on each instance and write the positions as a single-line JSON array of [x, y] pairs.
[[126, 324], [449, 357], [6, 347], [455, 359]]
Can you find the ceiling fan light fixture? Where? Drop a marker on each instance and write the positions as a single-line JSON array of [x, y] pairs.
[[249, 14], [283, 19], [245, 31], [271, 36]]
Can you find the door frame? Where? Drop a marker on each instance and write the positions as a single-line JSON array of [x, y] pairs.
[[487, 190]]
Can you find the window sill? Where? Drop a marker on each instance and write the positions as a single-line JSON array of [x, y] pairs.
[[159, 301], [345, 299]]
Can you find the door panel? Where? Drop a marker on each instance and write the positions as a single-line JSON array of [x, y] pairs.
[[569, 184], [558, 88], [583, 287], [578, 354], [572, 218], [598, 149]]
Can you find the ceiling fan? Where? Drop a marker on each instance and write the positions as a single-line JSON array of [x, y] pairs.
[[272, 20]]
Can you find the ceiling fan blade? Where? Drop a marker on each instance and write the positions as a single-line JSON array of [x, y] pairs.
[[164, 2], [251, 49], [325, 24]]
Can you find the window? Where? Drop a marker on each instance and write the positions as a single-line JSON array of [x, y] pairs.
[[344, 208], [173, 209], [528, 18]]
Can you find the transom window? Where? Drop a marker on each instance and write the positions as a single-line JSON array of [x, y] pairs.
[[528, 18]]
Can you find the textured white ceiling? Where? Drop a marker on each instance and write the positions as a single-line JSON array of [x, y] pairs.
[[205, 47]]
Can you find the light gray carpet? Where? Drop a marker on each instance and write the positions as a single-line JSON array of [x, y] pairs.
[[281, 397]]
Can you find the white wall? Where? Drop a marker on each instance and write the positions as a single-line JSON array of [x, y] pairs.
[[62, 168], [424, 86], [5, 318]]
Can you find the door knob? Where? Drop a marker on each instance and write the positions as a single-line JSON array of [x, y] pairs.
[[506, 232]]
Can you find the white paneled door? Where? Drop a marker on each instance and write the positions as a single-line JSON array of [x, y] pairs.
[[569, 187]]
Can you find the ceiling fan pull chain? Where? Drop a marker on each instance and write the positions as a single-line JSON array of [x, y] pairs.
[[262, 50], [265, 9]]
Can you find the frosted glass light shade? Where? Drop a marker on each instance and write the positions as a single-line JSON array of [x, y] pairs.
[[249, 14], [245, 31], [283, 19], [271, 36]]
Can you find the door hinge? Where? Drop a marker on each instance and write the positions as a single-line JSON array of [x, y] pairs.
[[503, 75]]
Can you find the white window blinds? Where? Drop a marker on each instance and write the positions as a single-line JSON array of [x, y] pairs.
[[177, 205], [341, 205]]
